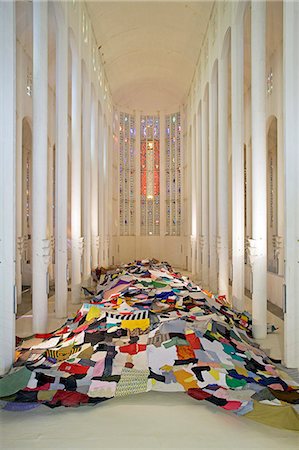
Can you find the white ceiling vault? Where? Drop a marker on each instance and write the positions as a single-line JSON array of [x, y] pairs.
[[150, 49]]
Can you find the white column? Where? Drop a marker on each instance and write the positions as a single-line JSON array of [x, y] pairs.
[[40, 244], [50, 197], [19, 179], [77, 240], [137, 183], [86, 181], [193, 196], [61, 184], [258, 243], [105, 194], [223, 174], [291, 154], [198, 192], [94, 185], [7, 183], [213, 100], [204, 241], [237, 81], [101, 187]]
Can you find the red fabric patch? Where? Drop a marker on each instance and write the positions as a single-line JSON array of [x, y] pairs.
[[231, 405], [132, 349], [73, 368], [69, 398], [193, 341], [63, 331], [44, 336], [198, 394]]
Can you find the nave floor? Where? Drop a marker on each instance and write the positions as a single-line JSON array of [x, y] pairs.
[[152, 420]]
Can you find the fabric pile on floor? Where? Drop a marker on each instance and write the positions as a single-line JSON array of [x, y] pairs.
[[149, 328]]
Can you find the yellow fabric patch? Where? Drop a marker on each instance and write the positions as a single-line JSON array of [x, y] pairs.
[[241, 371], [143, 324], [214, 373], [45, 395], [167, 368], [93, 313]]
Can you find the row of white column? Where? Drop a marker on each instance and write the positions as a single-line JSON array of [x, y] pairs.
[[213, 218], [94, 179]]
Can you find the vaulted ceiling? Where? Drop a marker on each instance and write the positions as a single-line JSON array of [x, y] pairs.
[[150, 49]]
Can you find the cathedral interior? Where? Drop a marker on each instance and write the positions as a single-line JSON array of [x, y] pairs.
[[154, 143]]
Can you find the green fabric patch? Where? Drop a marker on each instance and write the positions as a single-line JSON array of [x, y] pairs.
[[234, 382], [14, 382]]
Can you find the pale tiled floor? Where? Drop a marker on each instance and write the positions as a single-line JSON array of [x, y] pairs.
[[152, 420]]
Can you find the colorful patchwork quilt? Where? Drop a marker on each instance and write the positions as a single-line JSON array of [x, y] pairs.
[[146, 328]]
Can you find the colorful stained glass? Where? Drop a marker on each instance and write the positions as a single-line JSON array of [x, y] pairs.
[[127, 145], [173, 177], [150, 175]]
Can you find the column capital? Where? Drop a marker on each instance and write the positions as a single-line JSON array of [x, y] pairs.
[[78, 243], [277, 242], [21, 245], [255, 249], [96, 241], [202, 241]]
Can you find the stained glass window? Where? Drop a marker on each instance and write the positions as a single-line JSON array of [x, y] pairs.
[[127, 142], [173, 174], [150, 175]]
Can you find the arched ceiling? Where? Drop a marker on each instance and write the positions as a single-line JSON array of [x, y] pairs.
[[149, 49]]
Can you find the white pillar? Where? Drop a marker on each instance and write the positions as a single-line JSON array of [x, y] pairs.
[[50, 197], [101, 186], [40, 244], [94, 185], [137, 184], [198, 193], [223, 174], [77, 240], [193, 196], [205, 190], [7, 183], [19, 179], [291, 154], [61, 183], [237, 81], [213, 100], [258, 243], [86, 180]]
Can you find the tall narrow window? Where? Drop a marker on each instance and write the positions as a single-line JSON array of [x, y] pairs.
[[272, 196], [127, 141], [150, 175], [173, 174]]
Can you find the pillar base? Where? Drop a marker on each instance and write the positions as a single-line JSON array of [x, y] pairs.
[[259, 331], [76, 294]]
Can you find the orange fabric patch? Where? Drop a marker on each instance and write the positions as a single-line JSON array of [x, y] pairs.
[[185, 352], [186, 379]]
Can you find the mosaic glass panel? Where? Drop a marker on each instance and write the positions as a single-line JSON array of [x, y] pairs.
[[150, 175], [127, 142], [173, 176]]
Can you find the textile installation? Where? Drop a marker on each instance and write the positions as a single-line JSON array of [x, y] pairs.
[[173, 174], [150, 175], [149, 328]]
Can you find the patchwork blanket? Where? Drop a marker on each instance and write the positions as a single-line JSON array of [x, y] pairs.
[[148, 328]]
